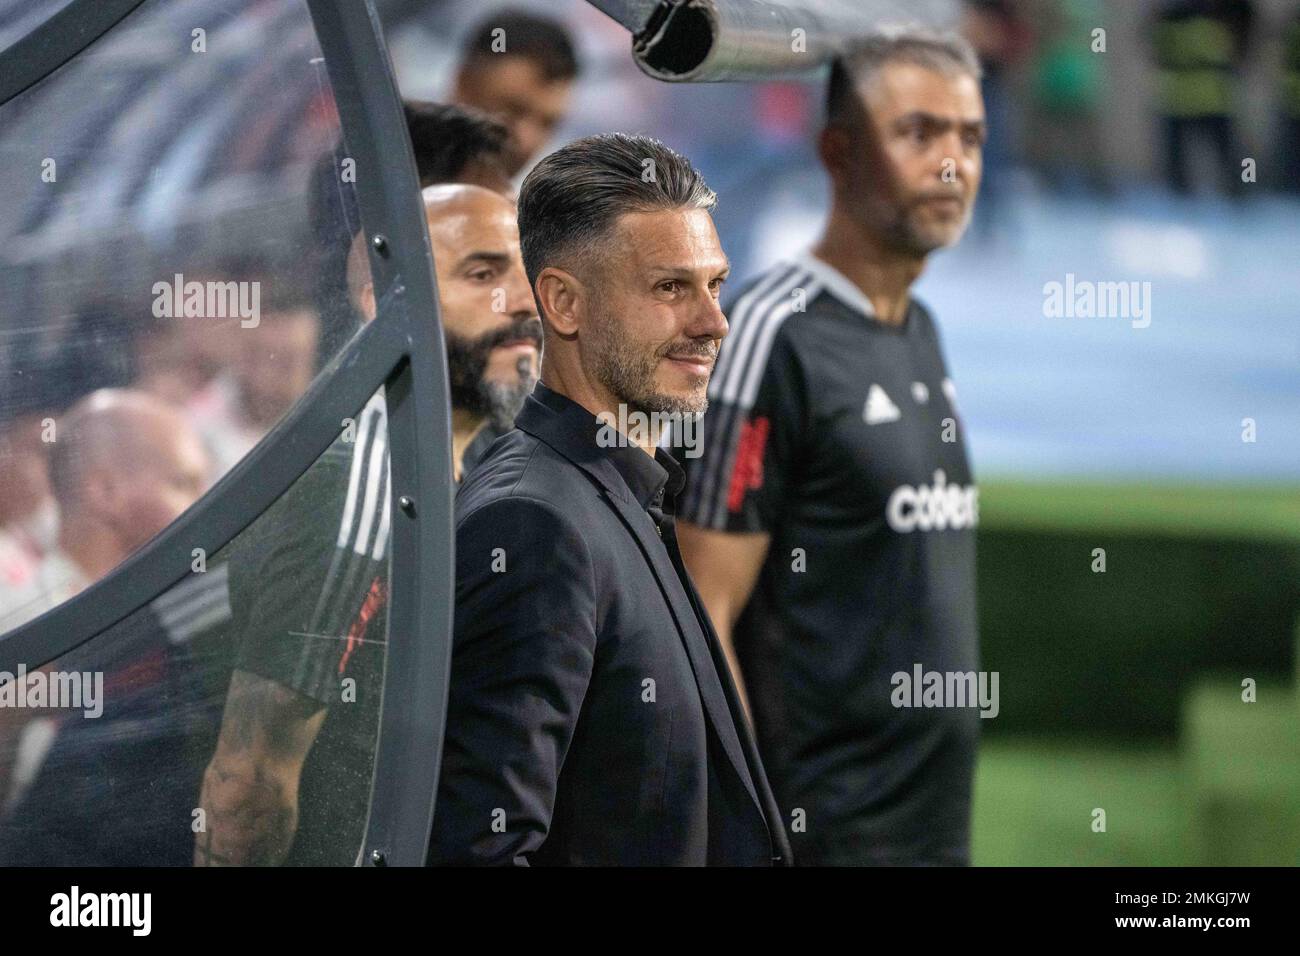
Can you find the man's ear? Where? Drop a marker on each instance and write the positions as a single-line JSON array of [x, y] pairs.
[[561, 297], [835, 148]]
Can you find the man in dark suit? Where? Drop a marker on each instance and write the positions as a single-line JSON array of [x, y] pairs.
[[592, 717]]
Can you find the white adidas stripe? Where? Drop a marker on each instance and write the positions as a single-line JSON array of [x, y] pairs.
[[759, 315], [378, 461], [780, 281], [732, 362]]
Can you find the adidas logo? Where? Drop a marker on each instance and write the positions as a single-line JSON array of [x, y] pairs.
[[879, 409]]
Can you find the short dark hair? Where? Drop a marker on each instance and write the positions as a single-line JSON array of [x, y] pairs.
[[448, 138], [571, 199], [540, 39], [941, 51]]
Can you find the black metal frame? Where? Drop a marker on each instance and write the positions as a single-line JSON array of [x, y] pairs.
[[56, 41], [401, 349]]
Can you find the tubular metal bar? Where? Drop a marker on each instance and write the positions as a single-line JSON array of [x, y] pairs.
[[696, 41]]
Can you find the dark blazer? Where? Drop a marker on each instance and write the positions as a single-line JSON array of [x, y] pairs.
[[592, 718]]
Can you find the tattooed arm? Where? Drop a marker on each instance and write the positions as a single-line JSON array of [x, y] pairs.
[[250, 789]]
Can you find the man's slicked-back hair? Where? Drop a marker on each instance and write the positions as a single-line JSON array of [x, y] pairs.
[[572, 198], [537, 38], [942, 51]]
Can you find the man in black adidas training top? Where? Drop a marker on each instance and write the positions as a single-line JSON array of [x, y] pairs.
[[832, 512]]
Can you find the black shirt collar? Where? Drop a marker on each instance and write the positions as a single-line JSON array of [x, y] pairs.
[[648, 479]]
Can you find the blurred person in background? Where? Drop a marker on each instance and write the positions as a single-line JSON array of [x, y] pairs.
[[29, 517], [1067, 84], [1200, 47], [41, 381], [180, 359], [457, 144], [312, 566], [274, 364], [123, 467], [519, 68], [830, 520], [1001, 39]]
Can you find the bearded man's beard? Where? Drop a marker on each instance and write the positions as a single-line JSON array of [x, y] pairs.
[[467, 361], [907, 231]]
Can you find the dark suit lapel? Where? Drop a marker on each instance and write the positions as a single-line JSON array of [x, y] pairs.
[[766, 799], [701, 658], [542, 423]]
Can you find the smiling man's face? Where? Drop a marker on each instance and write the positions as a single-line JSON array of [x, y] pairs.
[[654, 338]]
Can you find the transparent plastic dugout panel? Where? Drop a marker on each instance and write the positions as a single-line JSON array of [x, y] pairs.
[[173, 244], [173, 248], [234, 719], [18, 18]]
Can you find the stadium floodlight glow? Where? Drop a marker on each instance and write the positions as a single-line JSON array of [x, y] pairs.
[[699, 41]]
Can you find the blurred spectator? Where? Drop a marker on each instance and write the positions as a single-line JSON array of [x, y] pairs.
[[1199, 48], [124, 465], [1001, 38], [519, 68], [275, 364], [179, 359], [454, 144], [28, 514], [167, 367], [1067, 88]]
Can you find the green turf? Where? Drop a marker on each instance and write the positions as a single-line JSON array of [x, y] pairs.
[[1034, 802], [1227, 795], [1243, 767], [1228, 791], [1269, 512]]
